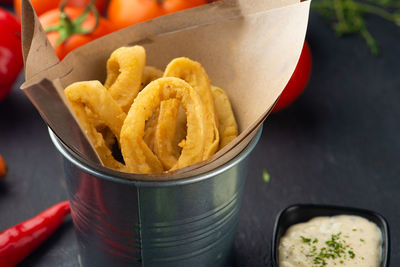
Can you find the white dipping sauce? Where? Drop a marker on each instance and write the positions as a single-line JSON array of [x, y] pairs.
[[331, 242]]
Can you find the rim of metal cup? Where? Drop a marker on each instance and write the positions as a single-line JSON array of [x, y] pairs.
[[129, 178]]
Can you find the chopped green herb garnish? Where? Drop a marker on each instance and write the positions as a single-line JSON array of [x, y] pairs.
[[362, 240], [266, 176], [305, 240], [354, 229], [351, 253], [335, 248]]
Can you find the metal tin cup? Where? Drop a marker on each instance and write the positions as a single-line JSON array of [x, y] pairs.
[[189, 222]]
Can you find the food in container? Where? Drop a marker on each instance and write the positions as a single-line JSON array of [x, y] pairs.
[[347, 240], [338, 233], [186, 217], [174, 121]]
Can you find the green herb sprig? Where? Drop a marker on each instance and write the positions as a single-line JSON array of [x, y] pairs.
[[348, 16]]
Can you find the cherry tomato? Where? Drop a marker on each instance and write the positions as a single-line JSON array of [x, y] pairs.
[[52, 18], [42, 6], [100, 4], [171, 6], [123, 13], [298, 81], [10, 51]]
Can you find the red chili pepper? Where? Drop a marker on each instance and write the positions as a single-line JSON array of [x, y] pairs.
[[10, 51], [20, 240]]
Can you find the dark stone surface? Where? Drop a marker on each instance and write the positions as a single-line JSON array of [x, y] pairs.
[[338, 144]]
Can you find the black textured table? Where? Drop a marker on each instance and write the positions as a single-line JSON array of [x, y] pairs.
[[338, 144]]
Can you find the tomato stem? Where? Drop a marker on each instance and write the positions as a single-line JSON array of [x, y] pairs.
[[67, 27]]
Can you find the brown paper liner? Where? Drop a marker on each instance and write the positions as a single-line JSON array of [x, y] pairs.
[[249, 48]]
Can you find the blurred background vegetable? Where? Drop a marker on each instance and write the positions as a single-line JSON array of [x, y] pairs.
[[42, 6], [73, 23], [171, 6], [19, 241], [348, 16], [68, 27], [3, 167], [10, 52], [123, 13], [298, 81]]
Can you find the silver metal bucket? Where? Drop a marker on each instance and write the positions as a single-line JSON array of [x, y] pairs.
[[189, 222]]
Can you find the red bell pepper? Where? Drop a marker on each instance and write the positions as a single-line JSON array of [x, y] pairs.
[[20, 240]]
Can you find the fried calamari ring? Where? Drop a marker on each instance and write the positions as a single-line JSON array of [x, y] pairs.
[[100, 126], [94, 96], [194, 74], [124, 74], [137, 155], [150, 129], [227, 126], [165, 133], [180, 130], [150, 74]]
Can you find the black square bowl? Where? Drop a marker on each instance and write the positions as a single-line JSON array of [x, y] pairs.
[[304, 212]]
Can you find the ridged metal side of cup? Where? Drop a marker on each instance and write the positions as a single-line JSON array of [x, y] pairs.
[[190, 222]]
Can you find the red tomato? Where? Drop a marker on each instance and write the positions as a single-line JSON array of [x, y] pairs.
[[10, 51], [171, 6], [123, 13], [100, 4], [298, 81], [42, 6], [51, 18]]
